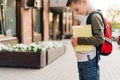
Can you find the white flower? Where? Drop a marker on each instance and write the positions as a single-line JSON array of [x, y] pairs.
[[19, 47], [41, 47], [51, 45], [3, 47], [58, 44], [33, 47]]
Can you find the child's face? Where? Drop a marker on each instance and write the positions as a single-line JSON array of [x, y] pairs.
[[79, 8]]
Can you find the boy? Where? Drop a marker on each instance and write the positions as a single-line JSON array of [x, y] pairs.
[[88, 61]]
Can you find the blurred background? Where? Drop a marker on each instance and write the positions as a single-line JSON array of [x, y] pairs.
[[28, 21], [111, 11]]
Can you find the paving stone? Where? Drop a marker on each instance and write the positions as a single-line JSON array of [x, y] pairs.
[[65, 68]]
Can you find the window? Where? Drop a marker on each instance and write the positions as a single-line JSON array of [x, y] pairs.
[[1, 17], [8, 17], [37, 25]]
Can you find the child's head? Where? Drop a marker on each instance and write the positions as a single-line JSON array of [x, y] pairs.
[[80, 7]]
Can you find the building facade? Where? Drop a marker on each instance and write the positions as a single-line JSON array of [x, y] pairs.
[[27, 21]]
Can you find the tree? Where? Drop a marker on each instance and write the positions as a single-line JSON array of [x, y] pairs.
[[113, 13]]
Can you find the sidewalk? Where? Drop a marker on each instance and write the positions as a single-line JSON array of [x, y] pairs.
[[64, 68], [110, 65]]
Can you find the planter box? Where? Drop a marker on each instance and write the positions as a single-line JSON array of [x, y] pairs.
[[22, 59], [30, 59], [53, 54], [43, 60]]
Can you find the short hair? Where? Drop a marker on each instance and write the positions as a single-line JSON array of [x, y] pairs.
[[70, 1]]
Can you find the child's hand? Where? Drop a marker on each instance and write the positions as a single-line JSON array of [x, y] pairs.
[[74, 41]]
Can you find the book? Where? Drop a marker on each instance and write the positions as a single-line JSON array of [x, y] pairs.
[[83, 31]]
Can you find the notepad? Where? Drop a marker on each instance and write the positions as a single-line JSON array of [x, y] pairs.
[[83, 31]]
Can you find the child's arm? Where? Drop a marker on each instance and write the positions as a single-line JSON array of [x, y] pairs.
[[97, 26]]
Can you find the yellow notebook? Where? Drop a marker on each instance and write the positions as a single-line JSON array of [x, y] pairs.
[[82, 31]]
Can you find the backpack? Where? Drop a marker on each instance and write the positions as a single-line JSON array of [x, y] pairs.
[[106, 47]]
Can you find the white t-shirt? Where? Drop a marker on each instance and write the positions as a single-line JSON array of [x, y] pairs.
[[83, 56]]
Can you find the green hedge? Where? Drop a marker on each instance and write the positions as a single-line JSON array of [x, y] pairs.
[[115, 25]]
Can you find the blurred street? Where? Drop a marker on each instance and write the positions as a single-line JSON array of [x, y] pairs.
[[110, 65], [64, 68]]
